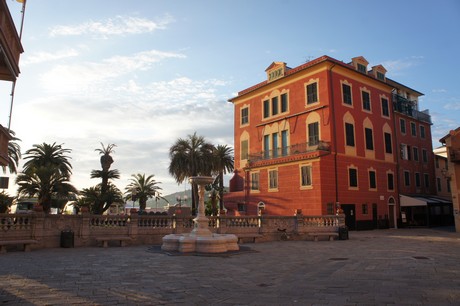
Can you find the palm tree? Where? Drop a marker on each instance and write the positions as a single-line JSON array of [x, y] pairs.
[[142, 188], [103, 203], [92, 197], [45, 155], [223, 164], [46, 183], [46, 174], [5, 202], [14, 154], [191, 157]]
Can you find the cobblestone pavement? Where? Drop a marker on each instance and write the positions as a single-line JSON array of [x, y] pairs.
[[380, 267]]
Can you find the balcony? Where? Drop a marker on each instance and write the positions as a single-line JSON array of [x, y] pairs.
[[313, 150], [10, 45], [409, 108]]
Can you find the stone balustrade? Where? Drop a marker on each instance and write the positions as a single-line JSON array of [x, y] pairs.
[[150, 229]]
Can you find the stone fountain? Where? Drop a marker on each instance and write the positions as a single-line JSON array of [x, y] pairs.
[[200, 239]]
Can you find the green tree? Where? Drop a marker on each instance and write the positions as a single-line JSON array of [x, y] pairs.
[[104, 201], [46, 155], [92, 196], [142, 188], [46, 175], [45, 183], [5, 202], [189, 157], [14, 154], [223, 164]]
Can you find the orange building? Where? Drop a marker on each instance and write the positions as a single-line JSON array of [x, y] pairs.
[[325, 136]]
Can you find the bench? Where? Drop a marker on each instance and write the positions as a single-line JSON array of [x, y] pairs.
[[105, 240], [330, 235], [252, 236], [26, 243]]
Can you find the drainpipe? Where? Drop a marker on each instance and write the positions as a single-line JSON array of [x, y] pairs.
[[334, 135]]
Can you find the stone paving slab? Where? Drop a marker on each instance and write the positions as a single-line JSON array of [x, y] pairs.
[[381, 267]]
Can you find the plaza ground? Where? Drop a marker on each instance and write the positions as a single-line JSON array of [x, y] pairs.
[[380, 267]]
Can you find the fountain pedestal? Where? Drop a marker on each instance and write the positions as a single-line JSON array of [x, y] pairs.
[[200, 239]]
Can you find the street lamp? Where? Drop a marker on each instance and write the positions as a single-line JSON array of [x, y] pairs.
[[180, 199]]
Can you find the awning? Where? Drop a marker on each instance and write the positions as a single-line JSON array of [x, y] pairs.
[[420, 200]]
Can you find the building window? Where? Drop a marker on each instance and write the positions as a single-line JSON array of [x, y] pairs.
[[350, 134], [284, 103], [369, 139], [266, 108], [313, 133], [273, 179], [244, 149], [266, 146], [366, 100], [364, 209], [422, 132], [415, 149], [402, 124], [385, 108], [413, 129], [274, 106], [405, 152], [244, 115], [390, 181], [424, 156], [438, 184], [426, 179], [346, 92], [305, 173], [275, 144], [362, 68], [241, 207], [448, 185], [407, 178], [330, 209], [312, 93], [380, 76], [255, 181], [388, 146], [284, 142], [353, 177], [417, 180], [436, 161], [372, 180]]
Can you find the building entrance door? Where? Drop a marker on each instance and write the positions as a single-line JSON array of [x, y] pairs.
[[391, 214], [374, 216], [350, 215]]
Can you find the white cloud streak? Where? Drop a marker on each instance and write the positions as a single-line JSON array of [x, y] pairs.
[[120, 25]]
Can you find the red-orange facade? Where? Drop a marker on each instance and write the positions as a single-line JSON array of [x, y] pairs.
[[322, 137]]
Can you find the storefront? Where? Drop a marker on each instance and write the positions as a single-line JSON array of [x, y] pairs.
[[429, 211]]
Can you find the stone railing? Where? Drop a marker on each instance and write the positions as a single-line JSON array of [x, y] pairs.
[[150, 229]]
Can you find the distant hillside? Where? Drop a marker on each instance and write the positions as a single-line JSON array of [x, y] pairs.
[[171, 199]]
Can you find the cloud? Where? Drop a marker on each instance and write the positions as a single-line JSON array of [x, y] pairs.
[[119, 25], [395, 67], [441, 90], [88, 76], [41, 57]]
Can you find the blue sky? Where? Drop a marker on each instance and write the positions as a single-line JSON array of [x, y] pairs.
[[141, 74]]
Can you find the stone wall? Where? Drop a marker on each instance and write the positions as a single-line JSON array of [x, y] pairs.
[[150, 229]]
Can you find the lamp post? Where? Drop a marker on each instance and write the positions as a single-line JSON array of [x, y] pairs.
[[180, 199]]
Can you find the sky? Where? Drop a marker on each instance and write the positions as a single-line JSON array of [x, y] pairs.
[[141, 74]]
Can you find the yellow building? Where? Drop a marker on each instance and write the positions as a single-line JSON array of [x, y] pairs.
[[452, 143]]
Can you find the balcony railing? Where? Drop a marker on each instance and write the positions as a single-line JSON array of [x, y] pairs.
[[300, 148], [409, 108]]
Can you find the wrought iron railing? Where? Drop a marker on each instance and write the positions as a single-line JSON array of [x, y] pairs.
[[409, 108]]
